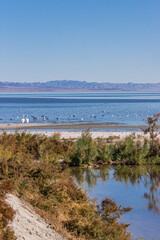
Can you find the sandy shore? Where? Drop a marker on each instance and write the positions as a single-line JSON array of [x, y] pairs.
[[95, 135], [73, 135], [50, 128], [56, 126]]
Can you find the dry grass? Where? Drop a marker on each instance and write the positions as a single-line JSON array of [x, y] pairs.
[[6, 213]]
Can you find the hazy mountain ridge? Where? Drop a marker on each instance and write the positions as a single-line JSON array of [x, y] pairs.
[[73, 84]]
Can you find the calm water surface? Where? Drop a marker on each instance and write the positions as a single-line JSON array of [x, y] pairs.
[[129, 108], [138, 187]]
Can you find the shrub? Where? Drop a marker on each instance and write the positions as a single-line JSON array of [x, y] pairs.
[[84, 150], [127, 151]]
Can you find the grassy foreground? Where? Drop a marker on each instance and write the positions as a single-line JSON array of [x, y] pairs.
[[29, 166]]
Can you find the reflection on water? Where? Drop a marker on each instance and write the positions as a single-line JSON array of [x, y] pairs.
[[135, 186], [89, 176], [148, 176]]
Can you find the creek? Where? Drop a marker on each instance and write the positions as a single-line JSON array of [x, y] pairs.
[[134, 186]]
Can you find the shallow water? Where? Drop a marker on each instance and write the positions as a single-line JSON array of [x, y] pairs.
[[138, 187], [129, 108]]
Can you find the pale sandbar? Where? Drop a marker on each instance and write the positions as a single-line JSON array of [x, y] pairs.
[[58, 126]]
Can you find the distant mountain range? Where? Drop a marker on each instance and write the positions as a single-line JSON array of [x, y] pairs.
[[77, 85]]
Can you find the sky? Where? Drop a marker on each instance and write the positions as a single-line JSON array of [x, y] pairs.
[[89, 40]]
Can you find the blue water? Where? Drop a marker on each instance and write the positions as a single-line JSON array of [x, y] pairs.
[[137, 187], [128, 108]]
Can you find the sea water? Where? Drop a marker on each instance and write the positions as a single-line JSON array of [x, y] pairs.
[[122, 107]]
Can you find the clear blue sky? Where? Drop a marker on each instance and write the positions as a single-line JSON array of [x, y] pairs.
[[92, 40]]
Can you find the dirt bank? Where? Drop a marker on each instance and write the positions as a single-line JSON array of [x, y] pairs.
[[27, 225]]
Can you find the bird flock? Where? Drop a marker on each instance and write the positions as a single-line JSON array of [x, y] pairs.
[[101, 116]]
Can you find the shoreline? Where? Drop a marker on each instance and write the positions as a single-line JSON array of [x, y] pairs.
[[94, 135], [67, 126], [73, 130], [75, 135]]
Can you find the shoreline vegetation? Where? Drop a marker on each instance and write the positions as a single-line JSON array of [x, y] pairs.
[[32, 166]]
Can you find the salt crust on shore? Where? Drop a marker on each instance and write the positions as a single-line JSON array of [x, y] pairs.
[[75, 135], [27, 225], [72, 135]]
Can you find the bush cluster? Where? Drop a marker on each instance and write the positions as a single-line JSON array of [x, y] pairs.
[[83, 151], [30, 162], [102, 151]]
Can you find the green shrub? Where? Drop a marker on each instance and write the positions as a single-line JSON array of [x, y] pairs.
[[84, 150], [126, 151]]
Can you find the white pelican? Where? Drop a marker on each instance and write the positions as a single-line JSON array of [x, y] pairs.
[[27, 120], [22, 120]]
